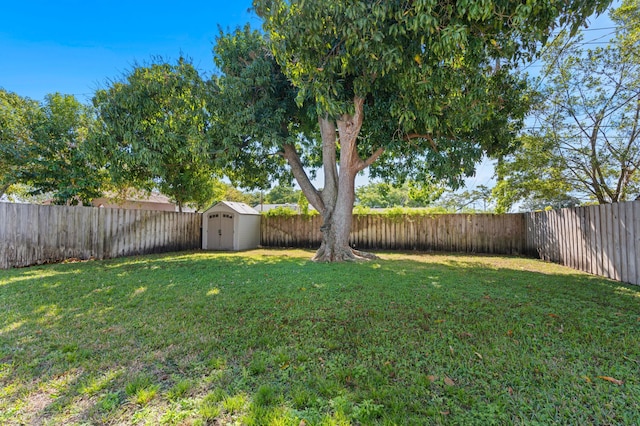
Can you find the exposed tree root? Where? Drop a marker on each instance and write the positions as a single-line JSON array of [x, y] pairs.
[[346, 254], [365, 255]]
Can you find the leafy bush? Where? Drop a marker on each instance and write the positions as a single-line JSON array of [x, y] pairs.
[[280, 211]]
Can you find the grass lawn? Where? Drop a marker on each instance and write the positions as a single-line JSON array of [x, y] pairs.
[[268, 337]]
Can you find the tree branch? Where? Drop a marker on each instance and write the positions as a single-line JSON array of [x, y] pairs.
[[422, 136], [348, 129], [303, 180], [369, 161], [328, 134]]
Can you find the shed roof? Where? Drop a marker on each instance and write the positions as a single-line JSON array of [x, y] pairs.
[[241, 208]]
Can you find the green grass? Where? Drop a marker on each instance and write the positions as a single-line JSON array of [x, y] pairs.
[[268, 337]]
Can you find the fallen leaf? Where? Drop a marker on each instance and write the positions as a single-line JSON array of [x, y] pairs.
[[510, 333], [302, 423], [449, 382], [510, 389], [445, 413], [554, 316], [440, 321], [478, 355], [611, 379], [587, 379], [487, 297], [451, 349], [432, 378]]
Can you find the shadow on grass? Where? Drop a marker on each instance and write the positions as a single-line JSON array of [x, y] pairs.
[[407, 338]]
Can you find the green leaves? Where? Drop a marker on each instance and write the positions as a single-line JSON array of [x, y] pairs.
[[257, 110], [44, 146], [16, 114], [153, 131], [426, 68]]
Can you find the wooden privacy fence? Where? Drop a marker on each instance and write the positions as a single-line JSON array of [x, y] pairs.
[[602, 240], [472, 233], [34, 234]]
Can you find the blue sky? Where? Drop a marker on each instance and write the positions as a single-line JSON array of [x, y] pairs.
[[74, 47]]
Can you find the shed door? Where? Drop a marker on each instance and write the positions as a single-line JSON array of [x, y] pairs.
[[220, 231]]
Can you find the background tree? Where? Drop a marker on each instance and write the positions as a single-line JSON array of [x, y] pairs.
[[44, 148], [16, 114], [434, 80], [530, 175], [585, 143], [384, 195], [223, 191], [282, 194], [152, 132], [478, 199]]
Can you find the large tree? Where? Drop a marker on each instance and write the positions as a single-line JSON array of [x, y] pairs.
[[585, 142], [152, 131], [433, 79]]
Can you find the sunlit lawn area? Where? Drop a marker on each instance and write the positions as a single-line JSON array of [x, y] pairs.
[[268, 337]]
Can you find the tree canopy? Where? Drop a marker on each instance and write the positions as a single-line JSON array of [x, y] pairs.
[[16, 114], [255, 111], [45, 147], [418, 90], [152, 131]]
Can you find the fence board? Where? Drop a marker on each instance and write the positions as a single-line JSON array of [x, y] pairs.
[[622, 231], [615, 227], [636, 228], [611, 256]]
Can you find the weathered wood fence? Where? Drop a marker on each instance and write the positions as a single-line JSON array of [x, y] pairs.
[[472, 233], [34, 234], [602, 240]]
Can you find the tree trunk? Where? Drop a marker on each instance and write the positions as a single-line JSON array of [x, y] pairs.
[[339, 191], [337, 223], [335, 201]]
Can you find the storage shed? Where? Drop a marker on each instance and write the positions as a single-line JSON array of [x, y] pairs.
[[229, 225]]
